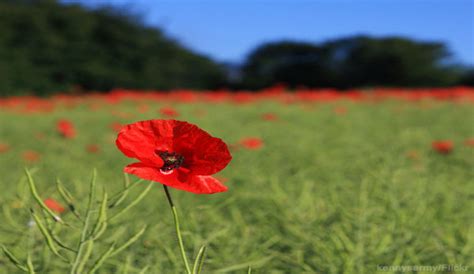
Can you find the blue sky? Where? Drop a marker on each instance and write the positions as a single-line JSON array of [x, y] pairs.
[[227, 30]]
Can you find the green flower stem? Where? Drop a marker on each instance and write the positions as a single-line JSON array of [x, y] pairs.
[[178, 232]]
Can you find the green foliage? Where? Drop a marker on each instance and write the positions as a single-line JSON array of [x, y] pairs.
[[327, 193], [351, 62], [78, 259], [47, 47]]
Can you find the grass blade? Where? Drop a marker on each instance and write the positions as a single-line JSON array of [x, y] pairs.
[[144, 270], [120, 196], [29, 263], [47, 236], [67, 198], [244, 265], [134, 202], [101, 223], [199, 261], [129, 242], [88, 251], [38, 199], [85, 227], [13, 259], [102, 259]]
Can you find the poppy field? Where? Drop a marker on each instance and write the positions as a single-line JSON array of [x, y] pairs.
[[270, 182]]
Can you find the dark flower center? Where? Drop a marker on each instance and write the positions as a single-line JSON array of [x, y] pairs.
[[172, 160]]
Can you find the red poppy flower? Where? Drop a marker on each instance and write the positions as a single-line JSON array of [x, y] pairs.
[[31, 156], [54, 205], [66, 128], [443, 147], [174, 153], [252, 143], [269, 116], [4, 147], [469, 142], [169, 112], [92, 148]]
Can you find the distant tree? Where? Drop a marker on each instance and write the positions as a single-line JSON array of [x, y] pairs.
[[290, 62], [468, 77], [392, 61], [358, 61], [48, 47]]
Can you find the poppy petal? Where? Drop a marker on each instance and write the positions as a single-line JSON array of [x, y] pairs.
[[203, 154], [206, 184], [141, 140], [177, 179]]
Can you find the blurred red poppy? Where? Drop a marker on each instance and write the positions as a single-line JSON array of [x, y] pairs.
[[443, 147], [174, 153], [341, 110], [4, 147], [269, 116], [413, 154], [116, 126], [54, 205], [169, 112], [252, 143], [469, 142], [31, 156], [66, 128], [92, 148]]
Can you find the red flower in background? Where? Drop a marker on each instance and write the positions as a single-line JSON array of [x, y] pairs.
[[143, 108], [169, 112], [269, 116], [66, 128], [252, 143], [413, 154], [54, 205], [341, 110], [31, 156], [116, 126], [92, 148], [443, 147], [4, 147], [174, 153], [468, 142]]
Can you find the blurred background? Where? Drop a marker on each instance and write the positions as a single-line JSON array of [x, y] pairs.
[[321, 181], [76, 46]]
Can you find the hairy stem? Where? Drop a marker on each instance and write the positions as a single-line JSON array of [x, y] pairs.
[[178, 232]]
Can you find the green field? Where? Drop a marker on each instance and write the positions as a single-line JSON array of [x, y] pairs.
[[327, 193]]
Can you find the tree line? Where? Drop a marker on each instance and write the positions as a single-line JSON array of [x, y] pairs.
[[48, 47]]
